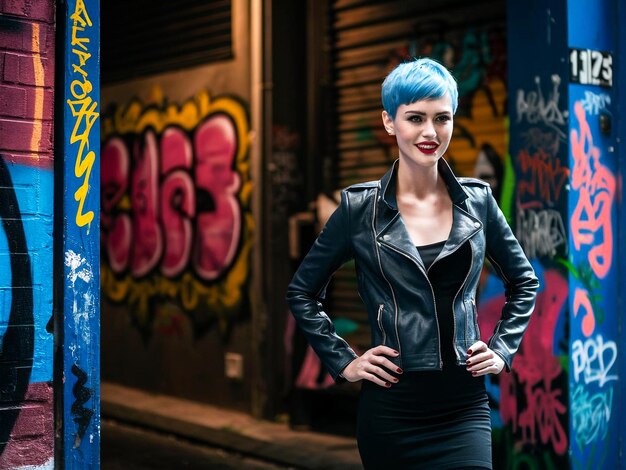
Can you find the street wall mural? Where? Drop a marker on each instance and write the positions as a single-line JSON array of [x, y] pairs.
[[594, 271], [176, 216], [26, 185]]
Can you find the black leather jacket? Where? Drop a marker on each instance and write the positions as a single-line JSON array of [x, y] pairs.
[[392, 280]]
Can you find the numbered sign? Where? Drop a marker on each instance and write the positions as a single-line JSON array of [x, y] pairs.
[[589, 67]]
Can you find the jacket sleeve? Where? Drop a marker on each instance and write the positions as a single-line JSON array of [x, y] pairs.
[[307, 290], [520, 282]]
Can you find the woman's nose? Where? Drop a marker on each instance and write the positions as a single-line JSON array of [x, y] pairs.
[[429, 129]]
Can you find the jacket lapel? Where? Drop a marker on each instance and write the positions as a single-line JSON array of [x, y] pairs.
[[391, 231]]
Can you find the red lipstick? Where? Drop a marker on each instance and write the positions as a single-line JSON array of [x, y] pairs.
[[428, 147]]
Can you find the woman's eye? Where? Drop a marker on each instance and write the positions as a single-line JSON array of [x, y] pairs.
[[443, 118], [415, 119]]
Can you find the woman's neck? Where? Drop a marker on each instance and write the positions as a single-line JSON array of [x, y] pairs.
[[418, 181]]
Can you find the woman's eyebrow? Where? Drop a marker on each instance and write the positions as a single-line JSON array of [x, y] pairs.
[[422, 113]]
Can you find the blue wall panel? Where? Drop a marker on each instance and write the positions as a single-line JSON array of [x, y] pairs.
[[81, 257], [593, 246]]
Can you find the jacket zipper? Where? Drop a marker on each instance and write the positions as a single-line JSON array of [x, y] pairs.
[[454, 300], [501, 272], [380, 322], [380, 266], [434, 300]]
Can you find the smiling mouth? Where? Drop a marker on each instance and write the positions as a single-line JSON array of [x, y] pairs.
[[427, 147]]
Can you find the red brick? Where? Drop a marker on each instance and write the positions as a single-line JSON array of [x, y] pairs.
[[16, 136], [20, 69], [48, 103], [13, 101], [11, 70], [21, 101], [36, 10], [18, 36]]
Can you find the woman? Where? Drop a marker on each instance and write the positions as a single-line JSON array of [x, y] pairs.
[[419, 237]]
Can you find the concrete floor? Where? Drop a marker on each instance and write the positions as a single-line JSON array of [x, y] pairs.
[[127, 447]]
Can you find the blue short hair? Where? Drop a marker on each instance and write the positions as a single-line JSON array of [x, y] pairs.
[[420, 79]]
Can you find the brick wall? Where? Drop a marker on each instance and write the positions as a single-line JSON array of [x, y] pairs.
[[27, 43]]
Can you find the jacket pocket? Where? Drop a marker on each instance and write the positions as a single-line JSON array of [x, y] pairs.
[[379, 319]]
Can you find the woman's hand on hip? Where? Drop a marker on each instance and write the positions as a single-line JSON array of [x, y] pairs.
[[374, 366], [482, 360]]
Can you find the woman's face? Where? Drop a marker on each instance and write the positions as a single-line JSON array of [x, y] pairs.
[[423, 129]]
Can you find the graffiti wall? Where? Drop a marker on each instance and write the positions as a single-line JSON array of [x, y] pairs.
[[593, 231], [26, 214], [531, 404], [177, 228], [176, 219]]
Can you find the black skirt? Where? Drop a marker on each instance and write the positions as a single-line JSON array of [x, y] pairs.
[[428, 420]]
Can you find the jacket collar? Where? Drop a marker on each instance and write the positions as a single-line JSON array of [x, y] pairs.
[[391, 231], [388, 184]]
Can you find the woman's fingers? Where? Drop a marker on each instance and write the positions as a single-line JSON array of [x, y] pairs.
[[374, 366], [383, 374], [487, 362], [384, 350], [478, 346], [377, 380]]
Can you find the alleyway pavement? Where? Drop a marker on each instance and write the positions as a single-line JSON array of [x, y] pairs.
[[248, 442], [127, 447]]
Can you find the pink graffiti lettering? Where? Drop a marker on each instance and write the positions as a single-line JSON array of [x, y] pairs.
[[148, 240], [219, 225], [182, 210], [545, 176], [581, 300], [178, 201], [116, 225], [535, 369], [591, 218]]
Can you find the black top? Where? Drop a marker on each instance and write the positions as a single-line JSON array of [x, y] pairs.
[[447, 276]]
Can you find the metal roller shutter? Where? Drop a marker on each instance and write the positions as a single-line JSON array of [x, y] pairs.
[[143, 37]]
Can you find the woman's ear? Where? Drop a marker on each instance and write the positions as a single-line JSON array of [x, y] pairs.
[[388, 123]]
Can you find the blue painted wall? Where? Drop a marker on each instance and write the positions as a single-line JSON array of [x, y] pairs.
[[593, 246], [81, 232]]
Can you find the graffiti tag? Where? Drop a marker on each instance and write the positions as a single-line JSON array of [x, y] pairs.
[[593, 103], [590, 414], [540, 232], [532, 107], [545, 177], [591, 219], [83, 109], [593, 360]]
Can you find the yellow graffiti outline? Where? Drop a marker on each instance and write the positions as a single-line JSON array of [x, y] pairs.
[[222, 298]]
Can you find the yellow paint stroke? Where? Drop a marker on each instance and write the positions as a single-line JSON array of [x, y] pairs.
[[83, 108], [35, 140], [220, 300]]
